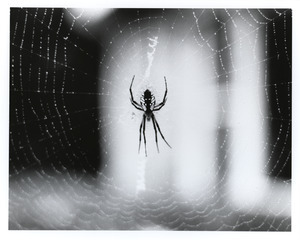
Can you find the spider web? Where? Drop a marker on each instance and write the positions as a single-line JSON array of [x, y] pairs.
[[73, 155]]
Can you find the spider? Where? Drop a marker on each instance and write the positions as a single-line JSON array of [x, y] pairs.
[[148, 106]]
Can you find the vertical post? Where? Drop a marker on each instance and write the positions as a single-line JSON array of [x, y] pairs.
[[246, 181]]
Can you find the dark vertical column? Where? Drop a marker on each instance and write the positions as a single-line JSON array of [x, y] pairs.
[[223, 69], [279, 89]]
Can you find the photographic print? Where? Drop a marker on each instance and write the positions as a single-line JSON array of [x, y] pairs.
[[150, 119]]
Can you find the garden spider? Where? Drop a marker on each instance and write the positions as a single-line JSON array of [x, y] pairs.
[[148, 106]]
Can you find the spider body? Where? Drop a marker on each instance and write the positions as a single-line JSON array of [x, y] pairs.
[[148, 106], [148, 103]]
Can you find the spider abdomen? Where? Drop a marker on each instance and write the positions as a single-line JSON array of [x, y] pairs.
[[148, 114]]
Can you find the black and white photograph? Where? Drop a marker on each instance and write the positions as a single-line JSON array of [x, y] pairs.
[[150, 119]]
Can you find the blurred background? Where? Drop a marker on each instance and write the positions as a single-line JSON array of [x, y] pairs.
[[74, 135]]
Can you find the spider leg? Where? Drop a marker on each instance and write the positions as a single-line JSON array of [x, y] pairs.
[[140, 138], [144, 127], [133, 102], [166, 89], [136, 105], [161, 132], [154, 126], [160, 105]]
